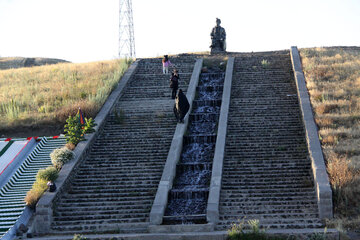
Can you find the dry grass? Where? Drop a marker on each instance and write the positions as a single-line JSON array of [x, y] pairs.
[[333, 80], [31, 96]]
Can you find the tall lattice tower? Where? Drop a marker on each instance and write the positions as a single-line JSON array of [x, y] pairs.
[[126, 30]]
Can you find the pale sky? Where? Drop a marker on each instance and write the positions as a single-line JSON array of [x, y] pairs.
[[87, 30]]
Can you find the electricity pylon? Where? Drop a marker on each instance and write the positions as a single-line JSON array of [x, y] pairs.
[[126, 30]]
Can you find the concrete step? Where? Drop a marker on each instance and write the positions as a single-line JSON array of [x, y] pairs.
[[104, 203], [101, 216], [118, 227], [114, 187], [105, 190], [83, 210], [267, 172], [276, 224], [332, 234]]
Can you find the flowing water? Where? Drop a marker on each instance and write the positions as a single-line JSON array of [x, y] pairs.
[[188, 197]]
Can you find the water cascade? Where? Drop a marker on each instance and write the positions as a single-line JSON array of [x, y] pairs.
[[187, 199]]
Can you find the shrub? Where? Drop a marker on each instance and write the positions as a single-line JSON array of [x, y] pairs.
[[47, 174], [75, 131], [318, 236], [37, 190], [79, 237], [60, 156], [237, 232], [32, 197], [265, 63], [89, 125], [40, 185]]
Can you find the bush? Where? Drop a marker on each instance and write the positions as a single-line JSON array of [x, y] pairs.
[[47, 174], [79, 237], [237, 232], [318, 236], [265, 63], [32, 197], [40, 185], [75, 131], [89, 125], [60, 156], [37, 190]]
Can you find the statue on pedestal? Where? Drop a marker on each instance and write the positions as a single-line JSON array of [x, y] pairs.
[[218, 37]]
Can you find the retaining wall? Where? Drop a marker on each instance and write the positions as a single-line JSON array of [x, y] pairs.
[[321, 180], [212, 211]]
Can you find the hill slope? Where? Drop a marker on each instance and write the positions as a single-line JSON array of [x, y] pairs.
[[19, 62], [42, 97], [333, 80]]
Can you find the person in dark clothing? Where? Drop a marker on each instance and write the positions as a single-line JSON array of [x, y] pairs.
[[174, 82], [181, 106]]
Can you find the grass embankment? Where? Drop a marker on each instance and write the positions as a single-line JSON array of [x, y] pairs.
[[47, 95], [333, 80]]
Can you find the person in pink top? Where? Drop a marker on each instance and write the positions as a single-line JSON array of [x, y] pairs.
[[166, 63]]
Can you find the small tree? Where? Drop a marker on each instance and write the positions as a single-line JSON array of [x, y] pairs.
[[73, 130]]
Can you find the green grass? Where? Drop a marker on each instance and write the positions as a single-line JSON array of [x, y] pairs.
[[49, 94], [250, 230]]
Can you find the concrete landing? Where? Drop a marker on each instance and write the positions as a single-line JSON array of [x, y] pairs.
[[300, 234]]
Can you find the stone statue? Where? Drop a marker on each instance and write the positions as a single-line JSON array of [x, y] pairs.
[[218, 37]]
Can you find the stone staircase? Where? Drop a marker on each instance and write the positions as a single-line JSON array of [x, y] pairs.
[[114, 187], [267, 171], [12, 194]]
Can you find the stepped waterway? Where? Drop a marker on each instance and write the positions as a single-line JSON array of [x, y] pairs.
[[188, 197]]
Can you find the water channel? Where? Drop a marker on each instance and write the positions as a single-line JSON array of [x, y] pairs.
[[188, 198]]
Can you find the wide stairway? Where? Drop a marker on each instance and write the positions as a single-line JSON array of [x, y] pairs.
[[115, 186], [267, 171], [12, 194]]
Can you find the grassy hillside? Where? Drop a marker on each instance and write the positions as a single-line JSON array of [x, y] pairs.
[[333, 80], [45, 96], [19, 62]]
